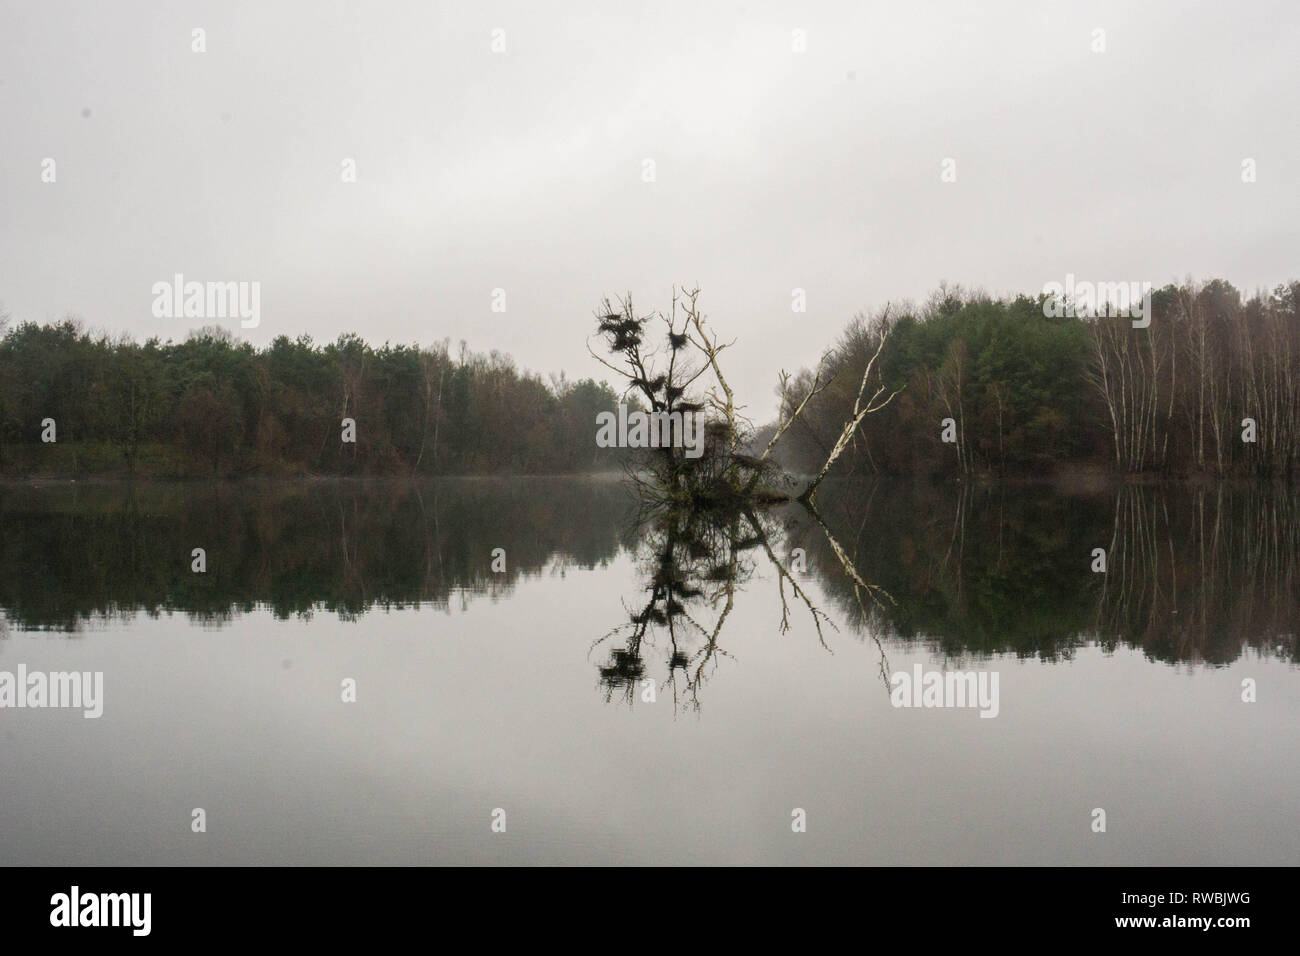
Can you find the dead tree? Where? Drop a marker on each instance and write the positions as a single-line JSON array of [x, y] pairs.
[[861, 409]]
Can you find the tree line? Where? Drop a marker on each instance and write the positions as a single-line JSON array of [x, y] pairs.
[[965, 383], [1002, 386], [214, 405]]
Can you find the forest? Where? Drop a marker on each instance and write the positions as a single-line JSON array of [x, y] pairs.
[[1211, 387], [211, 405]]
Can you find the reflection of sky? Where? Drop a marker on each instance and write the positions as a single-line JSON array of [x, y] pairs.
[[498, 706]]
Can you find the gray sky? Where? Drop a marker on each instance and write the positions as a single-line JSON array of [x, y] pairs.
[[523, 170]]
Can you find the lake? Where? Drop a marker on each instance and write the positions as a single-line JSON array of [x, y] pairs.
[[531, 671]]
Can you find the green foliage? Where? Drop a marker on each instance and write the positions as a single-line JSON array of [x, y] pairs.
[[1028, 394], [213, 405]]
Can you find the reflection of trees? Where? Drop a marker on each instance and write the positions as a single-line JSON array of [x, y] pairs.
[[1202, 574], [1194, 574], [868, 598], [958, 567], [693, 563], [74, 552]]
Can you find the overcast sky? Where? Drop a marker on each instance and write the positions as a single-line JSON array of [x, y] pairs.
[[524, 170]]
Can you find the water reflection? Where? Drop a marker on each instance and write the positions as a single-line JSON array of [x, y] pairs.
[[1193, 574], [70, 552], [1197, 575], [693, 563]]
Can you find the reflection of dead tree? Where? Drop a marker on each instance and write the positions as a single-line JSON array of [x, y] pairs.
[[353, 577], [965, 495], [697, 560], [705, 657], [676, 550], [783, 576], [860, 587]]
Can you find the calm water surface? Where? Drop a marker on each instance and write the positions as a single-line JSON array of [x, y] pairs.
[[766, 639]]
